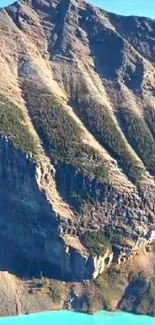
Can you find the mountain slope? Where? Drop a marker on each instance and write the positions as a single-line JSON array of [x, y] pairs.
[[77, 139]]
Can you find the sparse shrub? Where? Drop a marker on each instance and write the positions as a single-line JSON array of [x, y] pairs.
[[58, 291], [111, 285], [56, 295]]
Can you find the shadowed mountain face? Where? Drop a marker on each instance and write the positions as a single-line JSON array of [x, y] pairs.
[[77, 138]]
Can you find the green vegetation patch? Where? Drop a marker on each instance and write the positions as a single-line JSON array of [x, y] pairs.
[[139, 136], [115, 235], [77, 197], [61, 135], [56, 295], [111, 285], [59, 291], [102, 125], [13, 127], [149, 113], [96, 243]]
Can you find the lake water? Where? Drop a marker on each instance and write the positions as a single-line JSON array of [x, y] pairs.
[[68, 318]]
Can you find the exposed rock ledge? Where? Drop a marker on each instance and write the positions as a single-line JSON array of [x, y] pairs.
[[121, 287]]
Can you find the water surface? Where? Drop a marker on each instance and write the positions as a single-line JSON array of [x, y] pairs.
[[68, 318]]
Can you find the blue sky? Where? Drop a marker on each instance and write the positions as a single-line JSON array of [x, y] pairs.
[[128, 7], [125, 7]]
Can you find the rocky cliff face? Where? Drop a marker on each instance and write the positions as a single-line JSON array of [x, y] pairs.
[[31, 231], [77, 140]]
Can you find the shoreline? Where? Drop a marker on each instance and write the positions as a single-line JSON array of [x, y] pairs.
[[99, 313]]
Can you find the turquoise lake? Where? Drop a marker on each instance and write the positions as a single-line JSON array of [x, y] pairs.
[[68, 318]]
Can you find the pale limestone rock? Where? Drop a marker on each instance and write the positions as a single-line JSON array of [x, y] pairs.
[[101, 263]]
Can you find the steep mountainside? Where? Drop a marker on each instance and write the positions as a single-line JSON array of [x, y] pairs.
[[77, 139]]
